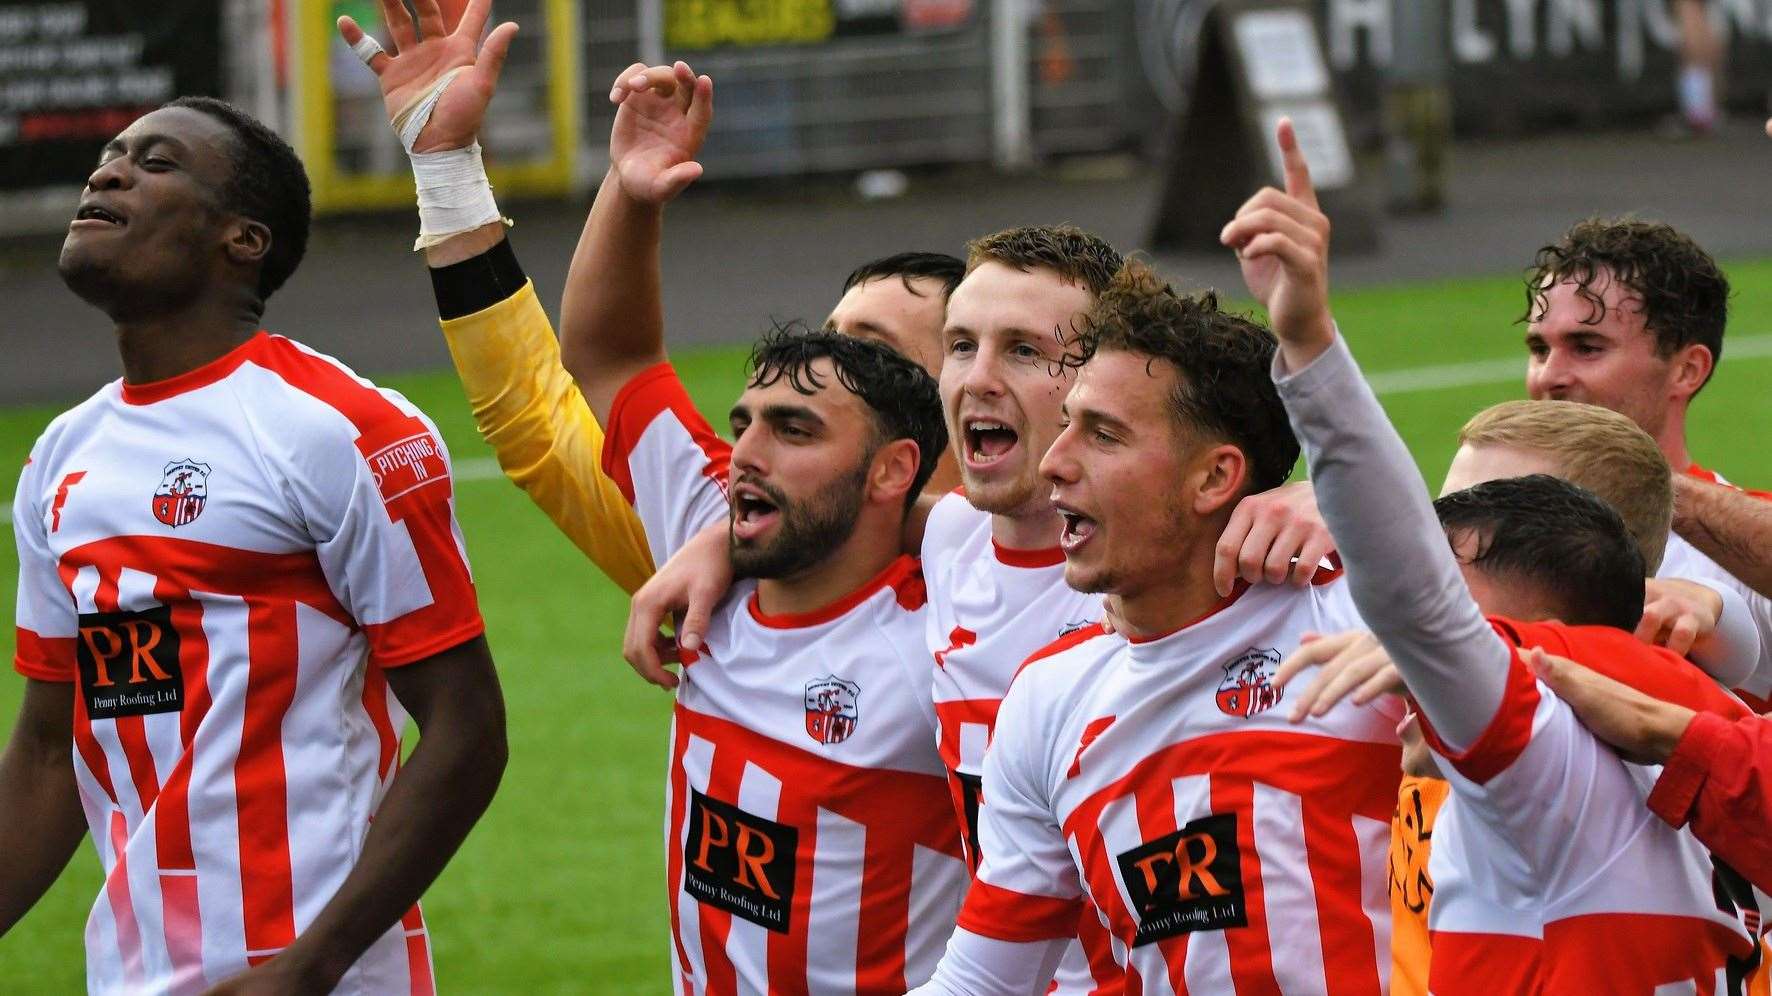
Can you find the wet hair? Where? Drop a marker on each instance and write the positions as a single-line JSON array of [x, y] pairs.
[[1075, 255], [1225, 387], [1558, 537], [908, 266], [901, 395], [268, 185], [1685, 297]]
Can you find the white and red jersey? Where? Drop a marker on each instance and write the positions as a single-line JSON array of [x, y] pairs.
[[990, 609], [1226, 849], [226, 563], [809, 843], [1550, 872]]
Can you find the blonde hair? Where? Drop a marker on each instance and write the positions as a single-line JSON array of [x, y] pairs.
[[1595, 448]]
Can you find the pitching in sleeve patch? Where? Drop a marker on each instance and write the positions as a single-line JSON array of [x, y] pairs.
[[407, 463]]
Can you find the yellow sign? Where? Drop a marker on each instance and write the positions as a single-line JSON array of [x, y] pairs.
[[702, 24]]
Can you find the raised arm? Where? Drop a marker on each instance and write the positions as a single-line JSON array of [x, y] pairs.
[[524, 402], [1400, 569], [612, 313]]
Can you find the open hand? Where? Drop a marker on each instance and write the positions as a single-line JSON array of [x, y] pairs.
[[411, 64], [1352, 662], [662, 119]]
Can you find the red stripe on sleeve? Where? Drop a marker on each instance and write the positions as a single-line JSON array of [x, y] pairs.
[[1509, 731], [45, 658], [452, 618], [1007, 915], [651, 392]]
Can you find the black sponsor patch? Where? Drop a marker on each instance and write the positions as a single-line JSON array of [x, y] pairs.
[[129, 663], [740, 863], [971, 794], [1189, 880]]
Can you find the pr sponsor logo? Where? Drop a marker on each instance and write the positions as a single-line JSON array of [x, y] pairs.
[[1189, 880], [128, 663], [740, 863]]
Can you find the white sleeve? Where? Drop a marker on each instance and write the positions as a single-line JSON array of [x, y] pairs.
[[1400, 569], [1733, 652], [46, 623], [1685, 562], [974, 965], [381, 511], [666, 460]]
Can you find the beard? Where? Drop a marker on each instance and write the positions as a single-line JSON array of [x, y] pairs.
[[810, 530]]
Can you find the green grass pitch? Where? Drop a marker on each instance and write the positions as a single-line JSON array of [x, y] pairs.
[[560, 889]]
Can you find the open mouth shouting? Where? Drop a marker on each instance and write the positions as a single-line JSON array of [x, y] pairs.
[[754, 512], [988, 442], [1078, 528]]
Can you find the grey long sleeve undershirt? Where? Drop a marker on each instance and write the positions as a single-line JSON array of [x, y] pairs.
[[1400, 569]]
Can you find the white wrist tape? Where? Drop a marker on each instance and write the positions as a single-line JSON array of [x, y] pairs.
[[453, 193]]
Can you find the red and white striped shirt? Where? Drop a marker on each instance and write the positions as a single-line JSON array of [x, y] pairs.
[[1225, 848], [1546, 819], [810, 847], [990, 608], [226, 562]]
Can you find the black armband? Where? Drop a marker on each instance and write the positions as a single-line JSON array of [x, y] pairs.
[[478, 283]]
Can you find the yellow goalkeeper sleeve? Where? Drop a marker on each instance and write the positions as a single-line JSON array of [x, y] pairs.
[[543, 432]]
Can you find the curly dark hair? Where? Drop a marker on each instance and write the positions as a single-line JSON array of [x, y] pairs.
[[1225, 387], [269, 186], [1685, 295], [1072, 253], [1557, 536], [909, 266], [902, 396]]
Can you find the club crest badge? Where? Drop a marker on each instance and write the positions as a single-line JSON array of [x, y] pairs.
[[183, 490], [1248, 685], [831, 712]]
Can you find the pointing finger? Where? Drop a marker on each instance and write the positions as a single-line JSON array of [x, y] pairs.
[[1298, 172]]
